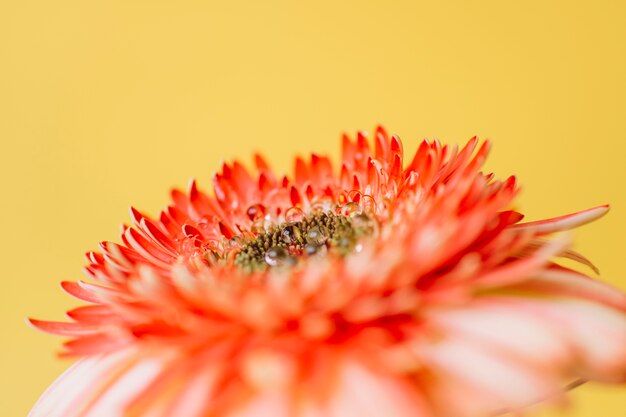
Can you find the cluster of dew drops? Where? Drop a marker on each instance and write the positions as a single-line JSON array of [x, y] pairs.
[[360, 211]]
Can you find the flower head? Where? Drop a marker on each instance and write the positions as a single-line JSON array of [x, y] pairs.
[[381, 288]]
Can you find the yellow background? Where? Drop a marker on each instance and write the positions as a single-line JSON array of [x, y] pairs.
[[108, 104]]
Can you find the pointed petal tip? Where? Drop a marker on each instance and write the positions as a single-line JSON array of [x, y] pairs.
[[192, 185], [135, 214], [32, 323]]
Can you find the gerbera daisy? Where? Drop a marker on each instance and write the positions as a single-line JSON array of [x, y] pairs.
[[381, 288]]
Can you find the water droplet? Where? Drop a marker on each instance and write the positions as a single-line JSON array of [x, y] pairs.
[[258, 226], [278, 256], [317, 208], [311, 249], [387, 203], [255, 211], [369, 204], [317, 235], [235, 241], [294, 215], [321, 204], [205, 227], [350, 209], [188, 246], [363, 221], [364, 224], [290, 234], [360, 220], [344, 243]]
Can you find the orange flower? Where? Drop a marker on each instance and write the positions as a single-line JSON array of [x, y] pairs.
[[384, 289]]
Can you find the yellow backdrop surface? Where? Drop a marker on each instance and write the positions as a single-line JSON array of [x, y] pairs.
[[104, 105]]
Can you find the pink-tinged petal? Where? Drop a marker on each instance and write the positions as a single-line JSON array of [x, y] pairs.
[[95, 344], [94, 314], [260, 163], [454, 398], [479, 158], [83, 294], [348, 151], [136, 215], [382, 150], [100, 292], [94, 257], [301, 171], [115, 394], [272, 403], [148, 250], [119, 255], [566, 253], [575, 256], [566, 222], [62, 329], [568, 283], [506, 383], [597, 332], [71, 393], [419, 156], [312, 410], [505, 329], [157, 236], [196, 395], [361, 392], [396, 167], [242, 180], [322, 170]]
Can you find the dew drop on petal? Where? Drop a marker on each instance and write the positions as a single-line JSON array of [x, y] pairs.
[[321, 204], [364, 224], [294, 215], [258, 225], [369, 204], [255, 211], [205, 227], [188, 246], [235, 241], [317, 208], [360, 220], [344, 243], [311, 249], [277, 256], [317, 235]]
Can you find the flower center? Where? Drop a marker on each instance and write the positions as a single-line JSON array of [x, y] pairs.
[[316, 234]]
